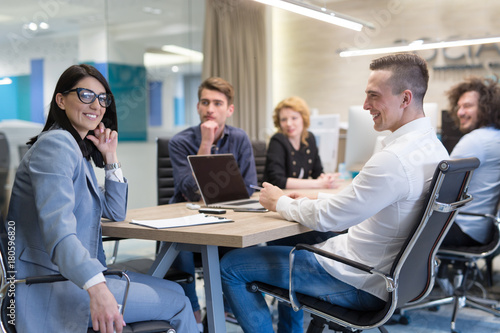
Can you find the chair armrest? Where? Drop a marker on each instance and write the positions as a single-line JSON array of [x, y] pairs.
[[59, 278], [495, 219], [390, 283], [329, 255], [111, 238], [449, 207]]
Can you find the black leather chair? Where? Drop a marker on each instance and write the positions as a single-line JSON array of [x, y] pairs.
[[464, 274], [4, 170], [165, 190], [411, 276], [165, 173], [259, 154]]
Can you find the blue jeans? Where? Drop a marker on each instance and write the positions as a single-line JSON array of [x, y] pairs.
[[269, 264]]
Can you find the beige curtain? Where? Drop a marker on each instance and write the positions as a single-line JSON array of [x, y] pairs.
[[234, 48]]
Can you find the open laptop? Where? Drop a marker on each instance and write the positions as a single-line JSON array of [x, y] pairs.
[[220, 182]]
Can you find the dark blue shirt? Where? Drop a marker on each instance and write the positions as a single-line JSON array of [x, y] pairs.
[[187, 142]]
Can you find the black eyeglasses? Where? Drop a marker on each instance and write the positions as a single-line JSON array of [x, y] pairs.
[[87, 96]]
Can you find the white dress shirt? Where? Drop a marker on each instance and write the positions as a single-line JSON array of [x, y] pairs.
[[379, 208]]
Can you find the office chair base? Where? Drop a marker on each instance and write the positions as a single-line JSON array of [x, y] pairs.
[[317, 325], [486, 305]]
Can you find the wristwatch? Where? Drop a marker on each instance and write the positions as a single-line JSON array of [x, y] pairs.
[[113, 166]]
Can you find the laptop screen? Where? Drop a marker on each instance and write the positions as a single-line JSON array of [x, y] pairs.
[[218, 177]]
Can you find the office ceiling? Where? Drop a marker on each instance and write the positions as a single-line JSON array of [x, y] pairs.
[[150, 23]]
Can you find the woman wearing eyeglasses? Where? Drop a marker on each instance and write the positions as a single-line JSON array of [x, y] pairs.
[[56, 207]]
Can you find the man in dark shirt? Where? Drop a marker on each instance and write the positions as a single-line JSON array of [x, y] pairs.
[[211, 136]]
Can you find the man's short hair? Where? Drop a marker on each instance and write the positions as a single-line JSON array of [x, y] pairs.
[[220, 85], [409, 71], [488, 103]]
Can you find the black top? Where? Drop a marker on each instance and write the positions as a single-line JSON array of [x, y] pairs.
[[283, 161]]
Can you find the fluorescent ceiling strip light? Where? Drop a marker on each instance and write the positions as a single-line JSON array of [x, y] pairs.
[[195, 55], [419, 46], [318, 13]]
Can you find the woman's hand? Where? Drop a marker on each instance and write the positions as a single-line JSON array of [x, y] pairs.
[[328, 180], [106, 318], [106, 141]]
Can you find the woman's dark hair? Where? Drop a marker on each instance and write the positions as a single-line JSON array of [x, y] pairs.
[[68, 80]]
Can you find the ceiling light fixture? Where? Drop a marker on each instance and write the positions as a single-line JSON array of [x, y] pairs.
[[44, 25], [194, 55], [420, 45], [151, 10], [319, 13], [5, 81], [32, 26]]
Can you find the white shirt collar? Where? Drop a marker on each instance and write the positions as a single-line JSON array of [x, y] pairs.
[[420, 124]]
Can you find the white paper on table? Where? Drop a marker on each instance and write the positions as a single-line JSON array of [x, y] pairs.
[[184, 221]]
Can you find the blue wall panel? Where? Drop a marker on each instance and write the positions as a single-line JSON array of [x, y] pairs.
[[155, 103], [15, 99], [129, 87], [36, 91], [179, 111], [8, 96]]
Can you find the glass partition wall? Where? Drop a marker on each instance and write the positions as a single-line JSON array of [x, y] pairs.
[[149, 50]]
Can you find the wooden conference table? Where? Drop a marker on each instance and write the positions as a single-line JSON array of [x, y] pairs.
[[248, 229]]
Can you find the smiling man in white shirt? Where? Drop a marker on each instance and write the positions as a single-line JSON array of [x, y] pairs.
[[475, 106], [379, 208]]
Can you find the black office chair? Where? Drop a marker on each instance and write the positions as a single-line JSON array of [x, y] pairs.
[[412, 274], [4, 170], [22, 150], [6, 294], [465, 274], [259, 154], [164, 171], [165, 191]]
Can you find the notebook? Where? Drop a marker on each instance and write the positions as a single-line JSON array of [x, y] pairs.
[[220, 182]]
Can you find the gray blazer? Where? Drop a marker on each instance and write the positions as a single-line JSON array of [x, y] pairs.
[[57, 206]]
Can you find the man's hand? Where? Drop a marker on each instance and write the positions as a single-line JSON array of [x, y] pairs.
[[209, 129], [106, 318], [269, 196]]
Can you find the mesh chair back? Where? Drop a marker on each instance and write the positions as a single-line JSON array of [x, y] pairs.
[[449, 185], [165, 173]]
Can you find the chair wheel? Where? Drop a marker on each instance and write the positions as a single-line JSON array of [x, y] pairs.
[[404, 320], [434, 308]]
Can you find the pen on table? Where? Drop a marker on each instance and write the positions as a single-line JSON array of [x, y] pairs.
[[255, 187]]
